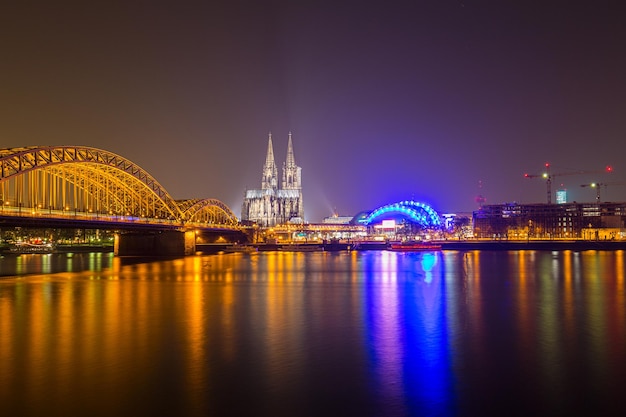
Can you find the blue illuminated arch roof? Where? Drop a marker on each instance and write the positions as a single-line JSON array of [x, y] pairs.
[[414, 211]]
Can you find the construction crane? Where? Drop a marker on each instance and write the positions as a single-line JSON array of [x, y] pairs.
[[548, 176], [599, 185]]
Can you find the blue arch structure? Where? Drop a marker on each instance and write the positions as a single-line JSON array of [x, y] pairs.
[[414, 211]]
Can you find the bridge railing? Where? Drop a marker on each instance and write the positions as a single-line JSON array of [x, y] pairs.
[[77, 214], [48, 213]]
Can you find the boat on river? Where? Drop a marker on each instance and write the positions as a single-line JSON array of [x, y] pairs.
[[414, 246], [28, 247], [334, 245], [238, 247], [300, 247]]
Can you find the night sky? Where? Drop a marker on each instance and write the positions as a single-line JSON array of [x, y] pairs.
[[435, 100]]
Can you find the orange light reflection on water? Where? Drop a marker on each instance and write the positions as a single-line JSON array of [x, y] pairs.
[[293, 310], [476, 321], [386, 327], [618, 313], [524, 312], [569, 323]]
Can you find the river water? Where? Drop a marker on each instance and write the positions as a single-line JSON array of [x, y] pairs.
[[372, 333]]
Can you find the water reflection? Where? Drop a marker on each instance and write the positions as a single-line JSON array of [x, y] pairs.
[[407, 333], [350, 333]]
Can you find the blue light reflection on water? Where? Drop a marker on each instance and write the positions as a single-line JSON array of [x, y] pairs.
[[406, 328]]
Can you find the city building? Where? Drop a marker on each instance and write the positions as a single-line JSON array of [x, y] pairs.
[[273, 205], [337, 219], [593, 221]]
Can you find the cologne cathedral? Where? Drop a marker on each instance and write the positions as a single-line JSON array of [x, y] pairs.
[[272, 205]]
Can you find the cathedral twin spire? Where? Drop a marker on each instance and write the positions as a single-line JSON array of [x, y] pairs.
[[270, 172], [272, 205], [291, 172]]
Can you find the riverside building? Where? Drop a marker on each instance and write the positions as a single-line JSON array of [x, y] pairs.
[[273, 205], [589, 221]]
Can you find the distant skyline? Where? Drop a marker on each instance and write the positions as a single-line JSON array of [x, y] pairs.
[[438, 101]]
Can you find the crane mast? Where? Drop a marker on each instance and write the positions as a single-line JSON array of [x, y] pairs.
[[599, 185], [548, 178], [549, 183]]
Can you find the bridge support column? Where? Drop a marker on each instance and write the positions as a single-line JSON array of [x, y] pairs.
[[166, 243]]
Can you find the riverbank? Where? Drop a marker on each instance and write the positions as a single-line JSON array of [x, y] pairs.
[[59, 248], [464, 245], [575, 245]]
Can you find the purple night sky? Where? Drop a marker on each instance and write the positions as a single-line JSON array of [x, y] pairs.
[[387, 101]]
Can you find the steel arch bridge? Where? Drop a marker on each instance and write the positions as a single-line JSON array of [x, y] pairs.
[[414, 211], [70, 179]]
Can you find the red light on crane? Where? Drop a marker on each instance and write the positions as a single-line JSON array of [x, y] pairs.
[[609, 168]]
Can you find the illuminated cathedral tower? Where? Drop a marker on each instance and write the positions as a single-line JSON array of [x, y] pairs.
[[271, 205], [270, 173]]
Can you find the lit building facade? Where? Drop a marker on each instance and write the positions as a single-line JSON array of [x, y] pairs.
[[336, 219], [273, 205], [551, 221]]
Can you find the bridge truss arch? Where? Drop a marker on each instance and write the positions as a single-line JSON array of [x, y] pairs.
[[71, 179], [207, 210], [414, 211]]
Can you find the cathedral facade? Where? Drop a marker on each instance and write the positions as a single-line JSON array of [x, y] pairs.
[[273, 205]]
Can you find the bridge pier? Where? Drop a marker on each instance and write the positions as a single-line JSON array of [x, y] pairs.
[[163, 243]]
